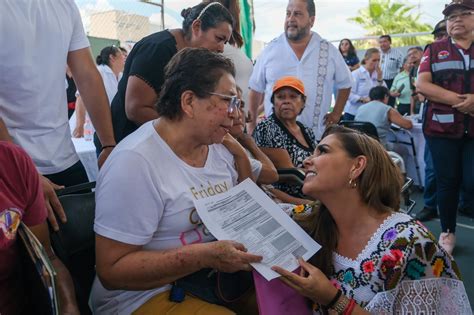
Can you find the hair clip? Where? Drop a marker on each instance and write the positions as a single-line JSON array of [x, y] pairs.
[[205, 8]]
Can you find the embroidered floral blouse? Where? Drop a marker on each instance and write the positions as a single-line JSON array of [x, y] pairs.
[[402, 270]]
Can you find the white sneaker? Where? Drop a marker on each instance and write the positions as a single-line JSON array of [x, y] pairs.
[[447, 241]]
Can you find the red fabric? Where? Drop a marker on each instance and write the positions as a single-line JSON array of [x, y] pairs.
[[71, 105], [21, 199]]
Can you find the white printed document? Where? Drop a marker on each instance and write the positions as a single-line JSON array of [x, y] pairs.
[[245, 214]]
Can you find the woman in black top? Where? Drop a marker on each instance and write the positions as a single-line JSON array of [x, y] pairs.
[[286, 141], [207, 25]]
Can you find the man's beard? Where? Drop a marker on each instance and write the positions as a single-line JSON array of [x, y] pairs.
[[300, 34]]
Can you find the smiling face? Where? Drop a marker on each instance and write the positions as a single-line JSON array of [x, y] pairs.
[[298, 23], [328, 169], [288, 104], [213, 38], [461, 24], [212, 118]]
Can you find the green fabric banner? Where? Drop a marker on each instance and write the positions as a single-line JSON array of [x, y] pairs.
[[246, 26]]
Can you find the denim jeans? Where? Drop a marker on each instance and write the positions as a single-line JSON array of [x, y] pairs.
[[453, 165]]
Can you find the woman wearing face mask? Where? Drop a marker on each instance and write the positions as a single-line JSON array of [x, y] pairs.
[[364, 78], [286, 141], [374, 259], [206, 25]]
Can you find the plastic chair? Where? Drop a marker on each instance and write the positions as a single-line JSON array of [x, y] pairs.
[[74, 243], [363, 126]]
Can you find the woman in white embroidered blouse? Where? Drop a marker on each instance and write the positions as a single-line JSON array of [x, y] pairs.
[[374, 259]]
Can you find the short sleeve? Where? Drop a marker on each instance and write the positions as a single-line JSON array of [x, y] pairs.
[[35, 208], [264, 134], [79, 39], [425, 63], [256, 166], [429, 282], [257, 81], [128, 204], [149, 63]]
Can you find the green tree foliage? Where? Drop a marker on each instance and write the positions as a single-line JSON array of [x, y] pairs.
[[387, 17]]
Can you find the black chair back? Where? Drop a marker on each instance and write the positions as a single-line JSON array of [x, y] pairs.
[[74, 243], [363, 126]]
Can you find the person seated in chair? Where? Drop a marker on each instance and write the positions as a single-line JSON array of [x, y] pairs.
[[21, 200], [286, 141], [263, 170], [382, 117], [148, 233], [374, 259]]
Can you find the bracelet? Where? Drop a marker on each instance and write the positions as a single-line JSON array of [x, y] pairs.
[[107, 146], [334, 300], [341, 305], [350, 307]]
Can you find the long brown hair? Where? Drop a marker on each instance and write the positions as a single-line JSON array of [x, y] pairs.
[[379, 186], [368, 54]]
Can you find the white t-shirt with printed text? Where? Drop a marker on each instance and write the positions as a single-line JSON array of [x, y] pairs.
[[145, 195]]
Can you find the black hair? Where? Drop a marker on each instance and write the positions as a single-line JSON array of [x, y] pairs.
[[388, 37], [104, 57], [378, 93], [191, 69], [415, 48], [311, 7], [352, 51], [123, 50], [213, 16]]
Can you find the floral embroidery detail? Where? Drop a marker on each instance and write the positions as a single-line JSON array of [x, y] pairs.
[[390, 235], [415, 269], [402, 249], [368, 266], [438, 267]]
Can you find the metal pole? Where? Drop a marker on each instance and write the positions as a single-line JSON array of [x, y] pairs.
[[162, 6]]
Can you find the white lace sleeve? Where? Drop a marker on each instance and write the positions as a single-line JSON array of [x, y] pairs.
[[424, 296]]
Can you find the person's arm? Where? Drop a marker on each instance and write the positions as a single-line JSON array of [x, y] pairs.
[[242, 162], [412, 105], [4, 135], [123, 266], [255, 99], [435, 93], [395, 117], [280, 157], [89, 82], [286, 198], [64, 284], [140, 101], [268, 174], [80, 118]]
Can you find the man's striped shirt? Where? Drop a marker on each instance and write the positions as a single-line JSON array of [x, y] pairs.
[[391, 63]]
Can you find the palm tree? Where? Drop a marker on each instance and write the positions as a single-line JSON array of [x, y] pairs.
[[387, 17]]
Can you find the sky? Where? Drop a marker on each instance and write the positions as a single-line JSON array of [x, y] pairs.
[[331, 15]]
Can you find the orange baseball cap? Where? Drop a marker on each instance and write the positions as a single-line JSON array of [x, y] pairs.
[[289, 81]]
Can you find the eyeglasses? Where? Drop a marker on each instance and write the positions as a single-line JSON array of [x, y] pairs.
[[234, 101], [462, 15]]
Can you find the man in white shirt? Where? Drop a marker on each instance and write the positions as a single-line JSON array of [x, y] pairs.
[[42, 37], [302, 53], [391, 62]]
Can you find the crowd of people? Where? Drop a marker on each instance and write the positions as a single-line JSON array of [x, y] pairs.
[[179, 116]]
